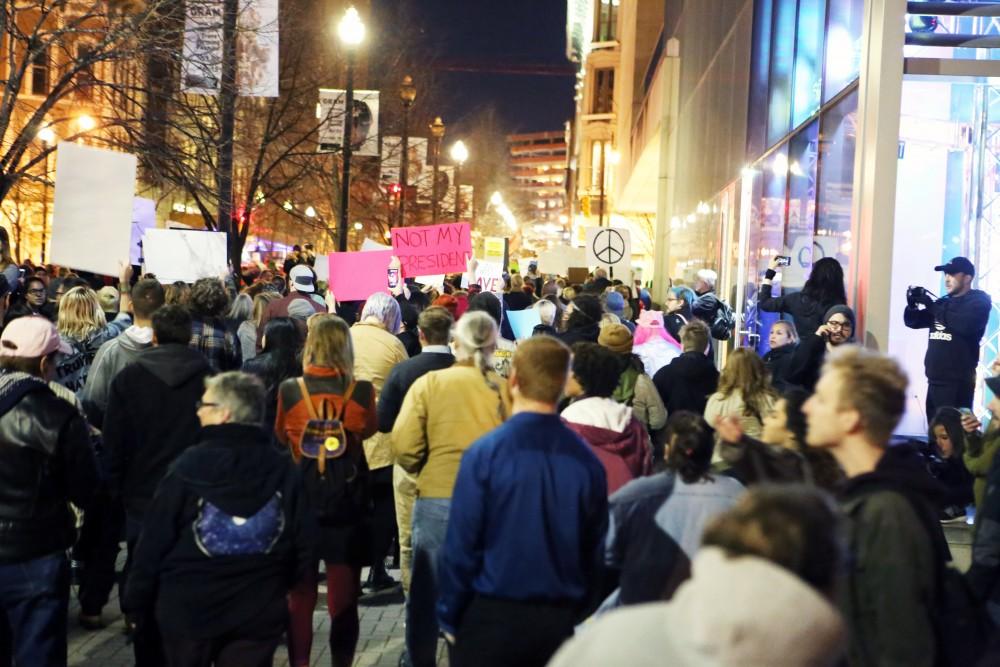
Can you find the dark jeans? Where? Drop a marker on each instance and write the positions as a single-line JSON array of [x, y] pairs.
[[146, 642], [383, 516], [221, 652], [98, 546], [430, 523], [949, 395], [34, 597], [496, 633]]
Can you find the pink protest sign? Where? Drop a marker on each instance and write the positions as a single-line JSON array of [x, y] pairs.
[[432, 249], [355, 276]]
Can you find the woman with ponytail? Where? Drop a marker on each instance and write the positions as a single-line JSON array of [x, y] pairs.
[[443, 413]]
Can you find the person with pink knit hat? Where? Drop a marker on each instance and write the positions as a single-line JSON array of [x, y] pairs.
[[653, 343]]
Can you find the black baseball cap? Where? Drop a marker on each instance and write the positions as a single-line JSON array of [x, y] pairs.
[[957, 265]]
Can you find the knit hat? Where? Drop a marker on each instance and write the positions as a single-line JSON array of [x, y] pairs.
[[616, 337], [300, 309], [846, 312], [615, 303]]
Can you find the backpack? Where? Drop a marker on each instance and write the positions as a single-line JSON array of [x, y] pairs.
[[218, 533], [625, 391], [724, 322], [332, 477]]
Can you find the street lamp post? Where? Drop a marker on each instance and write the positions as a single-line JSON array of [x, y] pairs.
[[407, 95], [459, 154], [437, 132], [351, 32]]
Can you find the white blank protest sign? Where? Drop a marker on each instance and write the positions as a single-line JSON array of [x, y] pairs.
[[187, 255], [92, 219]]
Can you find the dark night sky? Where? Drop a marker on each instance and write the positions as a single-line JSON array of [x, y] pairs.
[[511, 31]]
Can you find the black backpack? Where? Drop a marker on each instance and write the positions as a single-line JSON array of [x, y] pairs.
[[724, 322], [334, 477]]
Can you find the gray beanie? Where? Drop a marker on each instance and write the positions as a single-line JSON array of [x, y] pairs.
[[846, 312]]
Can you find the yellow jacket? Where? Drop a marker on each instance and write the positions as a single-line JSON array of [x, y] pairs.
[[376, 351], [443, 413]]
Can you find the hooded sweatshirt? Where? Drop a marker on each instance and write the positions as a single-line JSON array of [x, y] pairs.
[[956, 327], [151, 418], [733, 611], [111, 358], [615, 436], [205, 577]]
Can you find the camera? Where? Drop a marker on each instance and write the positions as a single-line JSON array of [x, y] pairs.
[[916, 294]]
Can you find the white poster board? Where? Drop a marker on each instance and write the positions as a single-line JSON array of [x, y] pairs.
[[560, 259], [92, 220], [322, 268], [180, 254], [609, 247]]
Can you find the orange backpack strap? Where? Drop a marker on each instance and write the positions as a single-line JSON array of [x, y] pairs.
[[347, 397], [307, 398]]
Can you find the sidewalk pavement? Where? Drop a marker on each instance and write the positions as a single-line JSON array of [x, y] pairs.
[[380, 645]]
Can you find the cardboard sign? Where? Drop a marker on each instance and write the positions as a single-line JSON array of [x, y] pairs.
[[577, 275], [558, 260], [368, 245], [92, 218], [523, 322], [437, 282], [322, 268], [489, 276], [610, 247], [355, 276], [432, 249], [185, 255], [494, 249]]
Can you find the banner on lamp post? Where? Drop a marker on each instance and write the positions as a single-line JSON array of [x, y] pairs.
[[330, 112], [392, 160]]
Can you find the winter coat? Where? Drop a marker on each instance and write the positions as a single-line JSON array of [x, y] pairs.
[[443, 413], [955, 328], [733, 406], [271, 372], [247, 335], [806, 312], [401, 378], [46, 462], [205, 578], [687, 382], [279, 308], [620, 442], [655, 530], [895, 547], [754, 462], [217, 343], [637, 390], [72, 369], [804, 367], [778, 363], [584, 334], [376, 352], [733, 611], [984, 573], [151, 418], [980, 452], [113, 356]]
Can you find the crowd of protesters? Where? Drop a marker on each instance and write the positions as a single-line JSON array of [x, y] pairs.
[[598, 493]]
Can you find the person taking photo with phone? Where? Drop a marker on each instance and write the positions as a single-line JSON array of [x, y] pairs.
[[956, 323], [823, 290]]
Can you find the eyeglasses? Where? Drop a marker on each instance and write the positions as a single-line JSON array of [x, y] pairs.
[[839, 326], [205, 404], [40, 290]]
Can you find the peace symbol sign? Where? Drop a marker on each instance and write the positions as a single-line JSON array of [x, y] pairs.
[[609, 246]]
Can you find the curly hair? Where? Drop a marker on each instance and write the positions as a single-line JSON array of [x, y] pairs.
[[596, 368], [209, 298]]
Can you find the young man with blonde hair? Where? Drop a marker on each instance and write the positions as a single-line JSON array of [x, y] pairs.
[[897, 547], [526, 531]]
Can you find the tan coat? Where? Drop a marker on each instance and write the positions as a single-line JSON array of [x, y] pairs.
[[376, 351], [443, 413]]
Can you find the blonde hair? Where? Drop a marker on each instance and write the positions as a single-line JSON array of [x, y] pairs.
[[80, 314], [260, 305], [873, 385], [328, 345], [516, 283], [746, 373]]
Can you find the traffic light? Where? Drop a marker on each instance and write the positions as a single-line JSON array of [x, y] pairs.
[[585, 205], [395, 189]]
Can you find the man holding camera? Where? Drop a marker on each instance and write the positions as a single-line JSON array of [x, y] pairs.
[[957, 322]]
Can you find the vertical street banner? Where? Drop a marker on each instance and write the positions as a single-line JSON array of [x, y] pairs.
[[201, 68], [390, 170], [256, 47], [330, 112]]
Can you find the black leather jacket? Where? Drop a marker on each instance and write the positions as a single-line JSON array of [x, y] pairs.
[[46, 461]]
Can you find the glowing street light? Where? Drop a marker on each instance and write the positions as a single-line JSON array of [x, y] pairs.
[[350, 29], [351, 32], [459, 154], [47, 136], [86, 123], [310, 212]]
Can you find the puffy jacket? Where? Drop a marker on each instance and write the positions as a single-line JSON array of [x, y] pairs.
[[376, 353], [46, 462]]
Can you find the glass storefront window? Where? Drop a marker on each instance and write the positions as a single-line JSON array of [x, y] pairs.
[[843, 45], [836, 181], [798, 241], [808, 60], [782, 56]]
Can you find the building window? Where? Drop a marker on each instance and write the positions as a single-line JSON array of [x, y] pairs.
[[606, 18], [604, 90], [40, 73], [85, 80]]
